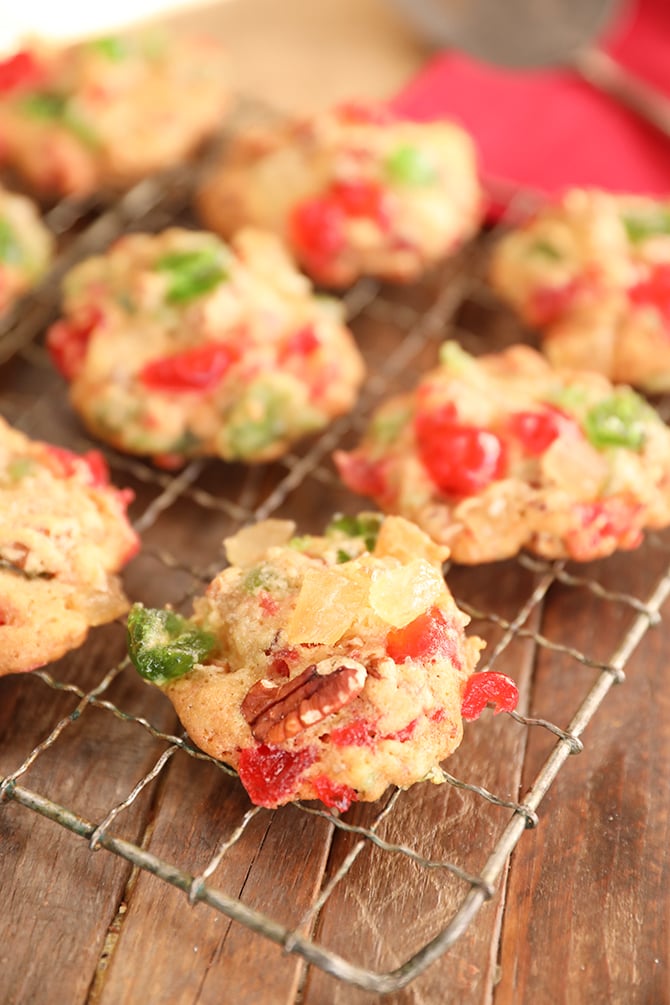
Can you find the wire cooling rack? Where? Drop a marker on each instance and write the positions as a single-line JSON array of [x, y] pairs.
[[183, 518]]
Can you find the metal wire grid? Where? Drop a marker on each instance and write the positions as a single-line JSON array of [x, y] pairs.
[[151, 205]]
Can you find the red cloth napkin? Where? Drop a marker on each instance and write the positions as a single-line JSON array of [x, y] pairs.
[[548, 130]]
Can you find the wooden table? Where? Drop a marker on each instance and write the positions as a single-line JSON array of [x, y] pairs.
[[579, 915]]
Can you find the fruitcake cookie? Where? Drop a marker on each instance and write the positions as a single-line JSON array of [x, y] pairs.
[[26, 247], [178, 345], [354, 191], [63, 536], [592, 273], [319, 667], [109, 111], [499, 453]]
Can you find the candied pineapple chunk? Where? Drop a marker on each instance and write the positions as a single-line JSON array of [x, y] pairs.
[[398, 538], [327, 604], [400, 595], [250, 544]]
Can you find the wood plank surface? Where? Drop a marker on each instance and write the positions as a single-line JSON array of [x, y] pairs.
[[588, 912], [196, 954], [409, 906], [58, 897]]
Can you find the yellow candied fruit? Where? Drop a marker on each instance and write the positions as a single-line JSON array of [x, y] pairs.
[[399, 595], [327, 604], [250, 544], [398, 538]]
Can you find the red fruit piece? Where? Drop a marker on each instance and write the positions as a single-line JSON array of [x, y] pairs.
[[536, 431], [461, 459], [20, 72], [67, 341], [429, 637], [654, 291], [486, 688], [605, 525], [317, 230], [197, 369], [360, 197], [362, 113], [550, 303], [404, 734], [339, 797], [359, 733], [361, 474], [269, 604], [303, 342], [65, 463], [271, 775]]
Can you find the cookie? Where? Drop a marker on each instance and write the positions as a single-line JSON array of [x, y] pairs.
[[178, 345], [63, 536], [354, 191], [319, 667], [502, 452], [107, 112], [26, 247], [592, 275]]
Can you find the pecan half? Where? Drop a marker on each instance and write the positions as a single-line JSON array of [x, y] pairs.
[[277, 712]]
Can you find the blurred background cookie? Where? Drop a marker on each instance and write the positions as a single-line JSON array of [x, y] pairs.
[[107, 112], [354, 191], [592, 274], [26, 247], [63, 537], [502, 452], [178, 345]]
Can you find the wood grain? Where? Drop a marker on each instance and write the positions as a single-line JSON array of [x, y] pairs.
[[196, 954], [58, 897], [588, 917], [392, 908]]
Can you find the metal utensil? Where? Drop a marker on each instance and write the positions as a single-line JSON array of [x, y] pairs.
[[526, 34], [514, 33]]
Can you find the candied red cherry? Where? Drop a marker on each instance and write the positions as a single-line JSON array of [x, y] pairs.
[[302, 342], [461, 459], [359, 733], [431, 636], [654, 291], [615, 519], [404, 734], [362, 197], [20, 72], [536, 431], [365, 114], [361, 475], [67, 341], [66, 463], [317, 229], [551, 303], [488, 687], [197, 369], [272, 775], [339, 797]]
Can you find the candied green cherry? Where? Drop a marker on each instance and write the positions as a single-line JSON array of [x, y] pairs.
[[191, 273], [112, 47], [410, 165], [11, 251], [618, 421], [365, 525], [163, 645], [50, 106], [649, 222]]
